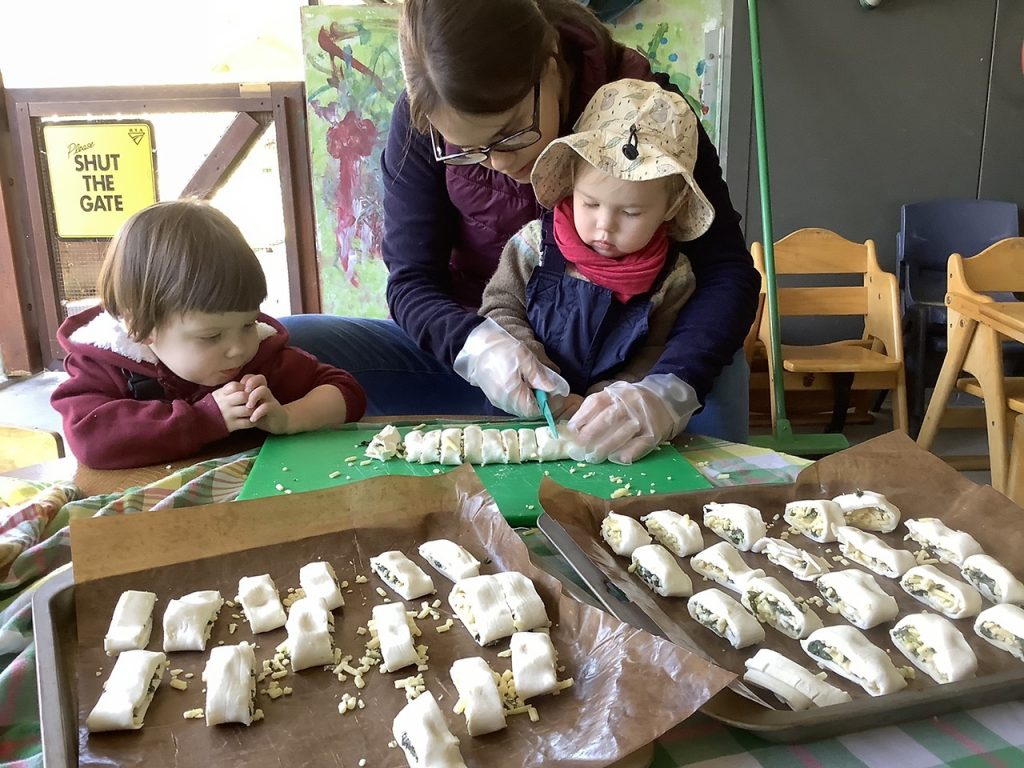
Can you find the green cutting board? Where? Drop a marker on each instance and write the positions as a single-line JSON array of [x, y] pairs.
[[305, 462]]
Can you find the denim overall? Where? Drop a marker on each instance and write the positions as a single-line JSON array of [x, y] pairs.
[[585, 330]]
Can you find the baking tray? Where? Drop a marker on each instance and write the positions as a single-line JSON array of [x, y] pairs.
[[166, 550], [53, 627], [922, 698]]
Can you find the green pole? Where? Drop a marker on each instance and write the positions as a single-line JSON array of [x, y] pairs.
[[766, 210], [782, 438]]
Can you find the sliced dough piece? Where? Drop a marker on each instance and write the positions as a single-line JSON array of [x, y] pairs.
[[189, 620], [430, 447], [131, 624], [950, 597], [318, 579], [230, 677], [310, 628], [873, 553], [402, 575], [797, 686], [722, 563], [869, 511], [493, 451], [261, 603], [656, 567], [1002, 626], [816, 519], [481, 607], [550, 448], [451, 561], [394, 630], [413, 446], [511, 439], [520, 595], [385, 445], [993, 580], [739, 524], [770, 602], [473, 444], [451, 446], [858, 598], [941, 541], [848, 653], [799, 562], [724, 616], [419, 729], [128, 691], [679, 534], [478, 695], [934, 646], [623, 534], [528, 445], [533, 664]]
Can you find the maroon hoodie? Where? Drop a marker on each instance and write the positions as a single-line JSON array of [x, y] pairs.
[[106, 425]]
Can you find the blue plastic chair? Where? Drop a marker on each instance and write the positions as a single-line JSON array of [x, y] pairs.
[[929, 233]]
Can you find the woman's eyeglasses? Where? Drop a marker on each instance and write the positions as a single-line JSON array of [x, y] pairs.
[[512, 143]]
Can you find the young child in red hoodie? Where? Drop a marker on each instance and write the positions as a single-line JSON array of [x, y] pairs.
[[178, 354]]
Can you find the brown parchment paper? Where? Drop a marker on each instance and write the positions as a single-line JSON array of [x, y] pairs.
[[920, 484], [630, 686]]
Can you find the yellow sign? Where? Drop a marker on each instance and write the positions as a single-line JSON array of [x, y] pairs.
[[100, 174]]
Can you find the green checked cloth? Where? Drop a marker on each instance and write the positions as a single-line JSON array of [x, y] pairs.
[[34, 542]]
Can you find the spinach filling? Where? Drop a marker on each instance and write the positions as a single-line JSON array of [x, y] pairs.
[[408, 747], [819, 649], [652, 580], [987, 629], [983, 581]]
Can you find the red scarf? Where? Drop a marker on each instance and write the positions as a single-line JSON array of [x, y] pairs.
[[627, 276]]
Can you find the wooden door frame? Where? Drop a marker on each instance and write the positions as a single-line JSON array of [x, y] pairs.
[[25, 109]]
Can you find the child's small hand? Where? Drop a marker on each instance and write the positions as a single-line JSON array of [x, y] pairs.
[[267, 413], [232, 401]]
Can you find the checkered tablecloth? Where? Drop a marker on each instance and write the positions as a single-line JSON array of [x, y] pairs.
[[34, 542]]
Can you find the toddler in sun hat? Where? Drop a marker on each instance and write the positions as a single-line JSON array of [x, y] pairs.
[[595, 285]]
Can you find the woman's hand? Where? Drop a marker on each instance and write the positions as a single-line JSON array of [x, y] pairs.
[[506, 370], [624, 422]]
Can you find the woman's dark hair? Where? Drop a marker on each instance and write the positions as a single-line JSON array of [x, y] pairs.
[[483, 56]]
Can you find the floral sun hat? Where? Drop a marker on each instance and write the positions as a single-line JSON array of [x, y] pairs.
[[635, 131]]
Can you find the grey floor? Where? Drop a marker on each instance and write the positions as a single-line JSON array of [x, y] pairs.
[[26, 402]]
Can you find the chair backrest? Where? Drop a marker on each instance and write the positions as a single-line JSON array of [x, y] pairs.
[[931, 231], [820, 252], [24, 446], [998, 269]]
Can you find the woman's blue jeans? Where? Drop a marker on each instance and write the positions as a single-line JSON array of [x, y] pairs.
[[400, 378]]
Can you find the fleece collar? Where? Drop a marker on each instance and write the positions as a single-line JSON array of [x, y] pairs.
[[108, 332]]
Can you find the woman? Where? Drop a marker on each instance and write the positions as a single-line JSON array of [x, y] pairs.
[[489, 84]]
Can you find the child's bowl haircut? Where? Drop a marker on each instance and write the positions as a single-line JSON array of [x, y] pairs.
[[177, 257]]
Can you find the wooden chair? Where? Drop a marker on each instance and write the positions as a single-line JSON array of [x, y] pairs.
[[24, 446], [873, 362], [999, 268]]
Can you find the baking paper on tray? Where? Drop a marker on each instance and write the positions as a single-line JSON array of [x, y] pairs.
[[920, 484], [629, 686]]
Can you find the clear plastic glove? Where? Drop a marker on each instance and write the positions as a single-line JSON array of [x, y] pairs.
[[506, 370], [624, 422]]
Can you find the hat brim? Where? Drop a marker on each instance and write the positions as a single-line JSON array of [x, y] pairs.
[[552, 175]]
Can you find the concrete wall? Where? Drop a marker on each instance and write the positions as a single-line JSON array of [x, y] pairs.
[[867, 110]]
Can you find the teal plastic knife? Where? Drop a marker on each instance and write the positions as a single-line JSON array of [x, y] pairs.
[[545, 408]]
